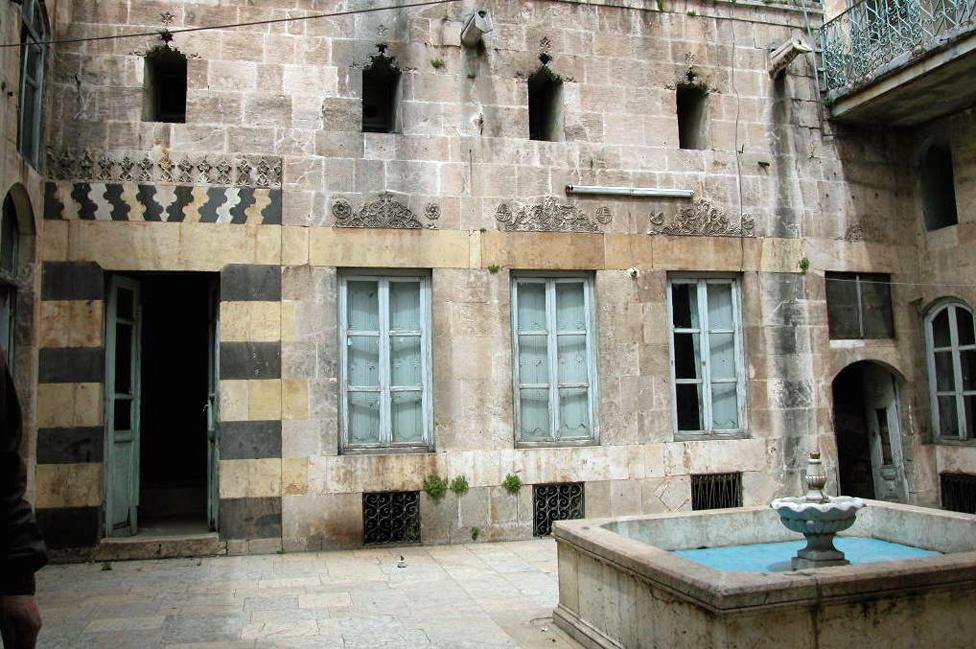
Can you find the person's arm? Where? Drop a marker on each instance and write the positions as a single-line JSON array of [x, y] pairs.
[[22, 550]]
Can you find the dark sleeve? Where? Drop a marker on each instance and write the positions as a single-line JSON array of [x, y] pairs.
[[22, 550]]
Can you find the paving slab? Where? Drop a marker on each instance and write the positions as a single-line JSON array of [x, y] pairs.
[[476, 596]]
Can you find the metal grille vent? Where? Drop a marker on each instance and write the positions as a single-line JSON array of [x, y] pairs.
[[555, 502], [958, 492], [716, 491], [391, 517]]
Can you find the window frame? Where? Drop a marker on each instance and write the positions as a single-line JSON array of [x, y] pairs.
[[32, 20], [704, 360], [550, 279], [958, 392], [384, 277], [857, 278]]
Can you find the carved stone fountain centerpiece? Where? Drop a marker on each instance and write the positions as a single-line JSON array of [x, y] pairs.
[[818, 517]]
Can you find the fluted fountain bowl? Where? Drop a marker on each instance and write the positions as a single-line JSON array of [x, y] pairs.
[[818, 522]]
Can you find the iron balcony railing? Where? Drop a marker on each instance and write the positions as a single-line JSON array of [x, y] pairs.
[[858, 43]]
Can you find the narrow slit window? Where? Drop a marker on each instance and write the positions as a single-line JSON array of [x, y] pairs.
[[381, 80], [164, 95], [33, 34], [938, 188], [692, 106], [545, 106]]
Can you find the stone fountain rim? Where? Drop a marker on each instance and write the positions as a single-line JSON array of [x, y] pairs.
[[800, 504]]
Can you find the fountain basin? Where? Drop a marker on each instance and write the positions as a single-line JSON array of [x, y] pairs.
[[621, 584], [819, 523]]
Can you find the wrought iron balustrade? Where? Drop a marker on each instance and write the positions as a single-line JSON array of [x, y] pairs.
[[858, 43]]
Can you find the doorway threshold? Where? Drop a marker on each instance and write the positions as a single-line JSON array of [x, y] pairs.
[[162, 541]]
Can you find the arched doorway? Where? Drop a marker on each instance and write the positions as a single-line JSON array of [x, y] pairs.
[[867, 426]]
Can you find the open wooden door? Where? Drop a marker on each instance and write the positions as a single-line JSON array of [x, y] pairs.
[[122, 399], [213, 449]]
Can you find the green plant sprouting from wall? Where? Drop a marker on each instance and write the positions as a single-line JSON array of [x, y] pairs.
[[512, 483], [804, 265], [459, 485], [437, 63], [475, 532], [494, 268], [435, 486]]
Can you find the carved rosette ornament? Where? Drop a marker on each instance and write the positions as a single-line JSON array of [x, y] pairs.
[[384, 212], [550, 216], [701, 219]]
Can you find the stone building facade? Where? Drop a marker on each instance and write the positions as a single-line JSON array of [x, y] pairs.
[[264, 321]]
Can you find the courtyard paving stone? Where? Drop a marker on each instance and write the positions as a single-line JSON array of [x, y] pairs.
[[476, 596]]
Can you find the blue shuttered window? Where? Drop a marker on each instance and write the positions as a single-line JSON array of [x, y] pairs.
[[706, 355], [385, 350], [555, 368]]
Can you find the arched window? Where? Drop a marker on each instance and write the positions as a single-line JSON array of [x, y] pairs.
[[950, 341], [9, 235], [33, 33]]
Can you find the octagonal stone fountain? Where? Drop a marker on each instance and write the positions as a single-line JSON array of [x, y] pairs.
[[818, 518]]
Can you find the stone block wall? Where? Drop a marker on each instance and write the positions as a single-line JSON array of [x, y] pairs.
[[462, 193]]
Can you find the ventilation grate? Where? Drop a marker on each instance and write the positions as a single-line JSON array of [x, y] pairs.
[[555, 502], [716, 491], [958, 492], [391, 517]]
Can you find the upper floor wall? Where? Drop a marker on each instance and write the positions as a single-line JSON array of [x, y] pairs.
[[292, 91]]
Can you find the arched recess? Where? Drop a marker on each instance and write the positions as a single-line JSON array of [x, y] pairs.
[[868, 427]]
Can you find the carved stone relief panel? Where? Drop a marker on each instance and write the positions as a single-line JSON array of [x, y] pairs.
[[550, 216], [702, 219], [384, 212]]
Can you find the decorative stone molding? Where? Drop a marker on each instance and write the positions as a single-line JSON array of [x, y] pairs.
[[550, 216], [701, 219], [258, 172], [384, 212]]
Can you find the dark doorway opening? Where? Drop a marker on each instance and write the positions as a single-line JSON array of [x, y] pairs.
[[850, 427], [176, 339]]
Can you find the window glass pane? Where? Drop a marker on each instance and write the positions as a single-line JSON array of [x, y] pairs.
[[571, 358], [940, 328], [881, 415], [967, 359], [363, 357], [687, 356], [126, 304], [725, 407], [533, 360], [722, 349], [406, 417], [842, 311], [123, 358], [364, 417], [689, 406], [570, 309], [964, 325], [876, 307], [945, 380], [534, 414], [720, 306], [531, 307], [948, 417], [362, 306], [405, 366], [684, 304], [574, 413], [123, 414], [405, 306], [34, 61]]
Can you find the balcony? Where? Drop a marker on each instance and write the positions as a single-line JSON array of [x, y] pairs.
[[900, 62]]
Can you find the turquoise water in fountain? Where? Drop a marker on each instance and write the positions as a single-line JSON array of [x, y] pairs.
[[775, 557]]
